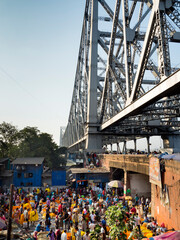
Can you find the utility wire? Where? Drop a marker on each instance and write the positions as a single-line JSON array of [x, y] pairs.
[[17, 82], [24, 89]]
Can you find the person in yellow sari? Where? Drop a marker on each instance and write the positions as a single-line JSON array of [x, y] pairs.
[[21, 219], [38, 191], [33, 216]]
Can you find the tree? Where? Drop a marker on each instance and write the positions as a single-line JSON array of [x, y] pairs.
[[62, 153], [28, 138], [30, 142], [36, 144], [8, 140]]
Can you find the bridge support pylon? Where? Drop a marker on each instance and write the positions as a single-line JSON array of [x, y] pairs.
[[93, 141], [172, 142]]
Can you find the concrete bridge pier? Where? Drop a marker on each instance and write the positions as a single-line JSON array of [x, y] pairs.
[[135, 145], [124, 148], [118, 148], [125, 182], [111, 147], [172, 142], [148, 144]]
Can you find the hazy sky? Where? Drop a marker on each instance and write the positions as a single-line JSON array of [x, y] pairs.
[[39, 43]]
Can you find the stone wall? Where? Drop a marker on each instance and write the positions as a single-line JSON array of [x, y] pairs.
[[135, 163]]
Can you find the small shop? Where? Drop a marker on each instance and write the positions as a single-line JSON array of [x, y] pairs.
[[85, 177]]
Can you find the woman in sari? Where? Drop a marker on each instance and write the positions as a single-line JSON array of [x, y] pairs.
[[33, 216]]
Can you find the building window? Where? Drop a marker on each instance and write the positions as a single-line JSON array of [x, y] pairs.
[[19, 175], [81, 176], [28, 175]]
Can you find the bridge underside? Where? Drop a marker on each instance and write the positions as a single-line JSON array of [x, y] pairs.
[[125, 85]]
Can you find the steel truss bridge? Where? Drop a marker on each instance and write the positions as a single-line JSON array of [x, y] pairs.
[[127, 81]]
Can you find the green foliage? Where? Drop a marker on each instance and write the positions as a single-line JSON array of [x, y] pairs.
[[62, 154], [95, 235], [8, 140], [29, 142], [135, 234], [116, 220], [120, 223]]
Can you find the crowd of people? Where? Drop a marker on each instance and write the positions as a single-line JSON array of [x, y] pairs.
[[93, 160], [73, 214]]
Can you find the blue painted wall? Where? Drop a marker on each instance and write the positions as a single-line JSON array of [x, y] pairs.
[[58, 177], [104, 178], [35, 180]]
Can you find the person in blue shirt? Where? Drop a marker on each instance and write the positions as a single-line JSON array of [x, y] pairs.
[[39, 227], [103, 222]]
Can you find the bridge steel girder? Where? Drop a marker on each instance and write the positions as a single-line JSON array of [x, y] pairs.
[[119, 77], [167, 87]]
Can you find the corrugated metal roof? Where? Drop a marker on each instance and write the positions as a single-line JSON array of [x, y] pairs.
[[28, 161], [3, 160], [89, 170], [6, 173]]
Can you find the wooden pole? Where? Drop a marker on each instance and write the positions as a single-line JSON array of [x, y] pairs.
[[125, 183], [10, 213]]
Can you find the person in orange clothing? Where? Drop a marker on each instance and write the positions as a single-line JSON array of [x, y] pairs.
[[21, 219]]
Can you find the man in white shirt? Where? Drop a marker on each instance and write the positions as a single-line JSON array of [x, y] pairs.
[[25, 214], [93, 217], [138, 222], [64, 235], [91, 226], [78, 234]]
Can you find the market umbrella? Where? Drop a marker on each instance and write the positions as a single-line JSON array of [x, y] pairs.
[[167, 236], [116, 184]]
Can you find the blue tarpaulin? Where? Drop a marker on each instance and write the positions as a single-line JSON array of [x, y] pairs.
[[172, 156]]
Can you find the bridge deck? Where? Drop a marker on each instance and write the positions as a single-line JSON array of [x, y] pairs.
[[135, 163]]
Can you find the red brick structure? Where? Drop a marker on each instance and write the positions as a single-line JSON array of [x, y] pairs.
[[169, 213]]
